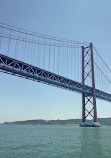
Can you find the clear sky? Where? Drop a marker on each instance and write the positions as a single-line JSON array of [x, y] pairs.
[[84, 20]]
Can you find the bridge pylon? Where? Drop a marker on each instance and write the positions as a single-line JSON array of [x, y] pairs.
[[88, 100]]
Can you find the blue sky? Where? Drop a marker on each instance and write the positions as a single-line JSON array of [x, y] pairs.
[[86, 20]]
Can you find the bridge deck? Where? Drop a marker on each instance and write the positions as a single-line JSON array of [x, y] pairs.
[[24, 70]]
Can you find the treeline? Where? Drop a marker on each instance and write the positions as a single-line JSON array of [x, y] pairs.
[[46, 122], [102, 121]]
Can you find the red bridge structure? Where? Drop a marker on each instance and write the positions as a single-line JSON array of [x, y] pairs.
[[71, 65]]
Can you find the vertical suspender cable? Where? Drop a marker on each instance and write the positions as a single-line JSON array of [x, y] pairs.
[[49, 55], [54, 59], [9, 44], [67, 59], [44, 54], [24, 47], [16, 45], [1, 36]]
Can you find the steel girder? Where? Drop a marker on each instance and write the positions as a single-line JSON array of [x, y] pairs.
[[24, 70]]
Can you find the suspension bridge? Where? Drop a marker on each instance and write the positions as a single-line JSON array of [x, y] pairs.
[[71, 65]]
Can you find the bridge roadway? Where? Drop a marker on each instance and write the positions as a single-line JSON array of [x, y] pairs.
[[24, 70]]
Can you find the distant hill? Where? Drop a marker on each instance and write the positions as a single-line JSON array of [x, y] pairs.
[[102, 121], [46, 122]]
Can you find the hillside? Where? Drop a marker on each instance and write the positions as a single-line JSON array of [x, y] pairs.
[[103, 121]]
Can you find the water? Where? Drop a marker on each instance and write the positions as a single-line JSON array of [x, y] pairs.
[[31, 141]]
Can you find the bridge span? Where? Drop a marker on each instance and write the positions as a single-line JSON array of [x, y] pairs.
[[24, 70]]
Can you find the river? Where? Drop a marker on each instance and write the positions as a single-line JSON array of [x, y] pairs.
[[37, 141]]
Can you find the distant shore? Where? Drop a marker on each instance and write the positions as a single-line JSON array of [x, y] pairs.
[[75, 122]]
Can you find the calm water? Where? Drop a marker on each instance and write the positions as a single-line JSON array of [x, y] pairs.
[[29, 141]]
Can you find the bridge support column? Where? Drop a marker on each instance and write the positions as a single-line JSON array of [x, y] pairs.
[[83, 94], [88, 100], [93, 84]]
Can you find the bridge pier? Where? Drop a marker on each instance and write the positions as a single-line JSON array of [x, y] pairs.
[[88, 72]]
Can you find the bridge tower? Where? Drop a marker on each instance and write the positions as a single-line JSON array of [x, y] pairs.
[[88, 101]]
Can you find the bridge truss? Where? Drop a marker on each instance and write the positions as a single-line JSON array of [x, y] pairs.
[[24, 70]]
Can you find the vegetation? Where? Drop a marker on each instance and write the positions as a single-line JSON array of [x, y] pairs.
[[102, 121]]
